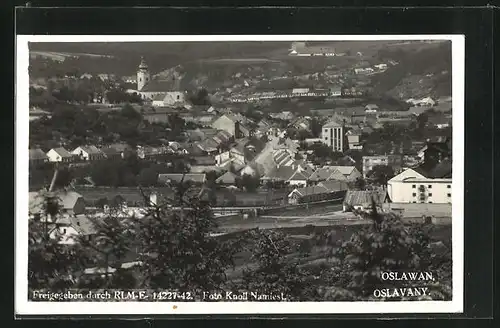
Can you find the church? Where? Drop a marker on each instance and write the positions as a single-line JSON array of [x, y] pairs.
[[161, 93]]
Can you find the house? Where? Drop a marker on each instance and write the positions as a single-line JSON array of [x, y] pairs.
[[70, 228], [208, 146], [201, 134], [323, 191], [380, 66], [418, 185], [59, 155], [350, 173], [88, 153], [301, 176], [223, 138], [283, 157], [249, 170], [427, 101], [335, 91], [369, 162], [121, 148], [151, 153], [230, 123], [204, 160], [299, 91], [86, 76], [371, 108], [228, 178], [37, 157], [296, 175], [439, 121], [111, 153], [197, 178], [435, 150], [71, 203], [354, 139], [362, 200], [326, 173], [301, 124]]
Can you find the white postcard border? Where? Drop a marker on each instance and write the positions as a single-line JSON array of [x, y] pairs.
[[21, 118]]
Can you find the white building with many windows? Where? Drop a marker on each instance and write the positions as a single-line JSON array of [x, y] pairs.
[[415, 186], [333, 136]]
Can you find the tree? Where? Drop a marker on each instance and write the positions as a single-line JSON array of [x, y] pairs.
[[200, 97], [64, 178], [316, 127], [380, 174], [275, 273], [147, 177], [101, 202], [360, 184], [387, 245], [249, 182], [422, 120], [129, 112], [178, 252]]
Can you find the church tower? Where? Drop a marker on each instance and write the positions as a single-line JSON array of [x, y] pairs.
[[143, 76]]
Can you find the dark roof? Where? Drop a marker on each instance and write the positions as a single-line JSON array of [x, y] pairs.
[[178, 177], [159, 97], [227, 178], [82, 224], [364, 197], [91, 150], [204, 160], [120, 147], [67, 199], [37, 154], [442, 170], [110, 151], [160, 86]]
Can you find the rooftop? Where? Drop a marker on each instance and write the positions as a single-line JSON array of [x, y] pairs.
[[179, 177]]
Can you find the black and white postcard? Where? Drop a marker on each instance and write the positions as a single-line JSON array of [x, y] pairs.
[[248, 174]]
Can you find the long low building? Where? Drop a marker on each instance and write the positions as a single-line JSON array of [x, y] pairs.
[[328, 190]]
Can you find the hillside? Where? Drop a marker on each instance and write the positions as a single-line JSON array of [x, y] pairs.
[[421, 72], [159, 55]]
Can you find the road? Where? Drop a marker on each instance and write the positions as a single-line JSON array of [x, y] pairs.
[[332, 219]]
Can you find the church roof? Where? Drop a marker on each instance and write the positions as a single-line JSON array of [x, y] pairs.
[[160, 86]]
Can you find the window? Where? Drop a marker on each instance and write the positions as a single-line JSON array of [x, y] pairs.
[[414, 201], [413, 186], [430, 202], [430, 194], [414, 194], [449, 195], [429, 186], [178, 97], [448, 186]]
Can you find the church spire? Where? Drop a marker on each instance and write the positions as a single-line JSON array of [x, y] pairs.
[[143, 65]]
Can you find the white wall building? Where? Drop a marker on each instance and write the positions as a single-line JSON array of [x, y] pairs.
[[411, 186], [333, 136]]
